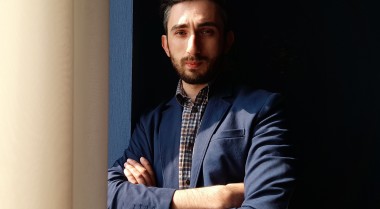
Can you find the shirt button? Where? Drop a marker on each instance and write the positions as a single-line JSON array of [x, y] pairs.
[[187, 182]]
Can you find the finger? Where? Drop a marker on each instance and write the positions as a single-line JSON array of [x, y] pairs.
[[149, 168], [140, 173], [129, 175], [136, 174]]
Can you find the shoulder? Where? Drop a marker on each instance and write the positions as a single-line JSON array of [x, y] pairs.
[[261, 97]]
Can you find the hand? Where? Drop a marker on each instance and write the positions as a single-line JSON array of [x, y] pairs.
[[236, 196], [139, 173]]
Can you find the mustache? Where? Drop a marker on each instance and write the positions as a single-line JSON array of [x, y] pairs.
[[193, 58]]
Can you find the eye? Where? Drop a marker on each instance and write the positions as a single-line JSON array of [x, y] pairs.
[[207, 32], [180, 33]]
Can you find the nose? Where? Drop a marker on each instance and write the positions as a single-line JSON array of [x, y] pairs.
[[192, 45]]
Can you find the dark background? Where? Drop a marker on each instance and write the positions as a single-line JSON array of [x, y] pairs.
[[322, 54]]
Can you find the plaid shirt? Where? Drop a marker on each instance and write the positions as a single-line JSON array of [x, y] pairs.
[[191, 118]]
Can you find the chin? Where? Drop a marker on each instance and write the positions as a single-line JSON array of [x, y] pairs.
[[195, 80]]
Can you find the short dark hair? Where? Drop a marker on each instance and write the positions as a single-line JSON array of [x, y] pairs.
[[166, 5]]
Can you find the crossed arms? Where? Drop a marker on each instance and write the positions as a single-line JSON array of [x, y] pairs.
[[219, 196]]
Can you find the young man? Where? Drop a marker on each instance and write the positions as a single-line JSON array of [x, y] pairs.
[[214, 144]]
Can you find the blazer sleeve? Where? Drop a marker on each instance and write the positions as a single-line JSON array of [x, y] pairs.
[[270, 166], [125, 195]]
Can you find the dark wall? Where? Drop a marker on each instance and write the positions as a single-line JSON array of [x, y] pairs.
[[154, 79], [323, 55]]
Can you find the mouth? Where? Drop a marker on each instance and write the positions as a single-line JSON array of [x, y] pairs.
[[193, 64]]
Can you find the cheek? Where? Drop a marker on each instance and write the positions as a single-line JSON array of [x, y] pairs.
[[213, 48], [177, 45]]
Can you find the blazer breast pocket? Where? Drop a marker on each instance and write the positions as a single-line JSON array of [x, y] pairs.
[[226, 154], [229, 134]]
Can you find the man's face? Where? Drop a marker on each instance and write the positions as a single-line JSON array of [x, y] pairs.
[[195, 41]]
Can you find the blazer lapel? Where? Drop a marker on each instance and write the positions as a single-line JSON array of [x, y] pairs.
[[215, 110]]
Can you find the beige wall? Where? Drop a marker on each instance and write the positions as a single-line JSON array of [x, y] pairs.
[[53, 104]]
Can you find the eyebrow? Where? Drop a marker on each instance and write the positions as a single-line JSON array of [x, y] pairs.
[[180, 26]]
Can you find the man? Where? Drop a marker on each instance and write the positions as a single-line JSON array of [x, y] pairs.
[[214, 144]]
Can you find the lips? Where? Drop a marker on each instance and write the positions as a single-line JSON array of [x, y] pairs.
[[192, 64]]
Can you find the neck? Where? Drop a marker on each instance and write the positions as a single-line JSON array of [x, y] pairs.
[[192, 90]]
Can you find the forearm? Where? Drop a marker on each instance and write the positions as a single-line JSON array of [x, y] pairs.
[[218, 197], [197, 198]]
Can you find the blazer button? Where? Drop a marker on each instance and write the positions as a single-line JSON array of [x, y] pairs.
[[187, 182]]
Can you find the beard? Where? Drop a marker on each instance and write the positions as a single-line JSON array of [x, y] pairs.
[[211, 67]]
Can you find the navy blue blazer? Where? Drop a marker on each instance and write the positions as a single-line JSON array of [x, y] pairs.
[[242, 138]]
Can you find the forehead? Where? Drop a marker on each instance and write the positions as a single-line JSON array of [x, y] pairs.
[[194, 12]]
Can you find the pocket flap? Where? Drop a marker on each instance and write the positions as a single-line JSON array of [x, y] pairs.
[[233, 133]]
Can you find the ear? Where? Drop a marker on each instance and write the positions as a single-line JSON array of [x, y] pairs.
[[164, 44], [230, 39]]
